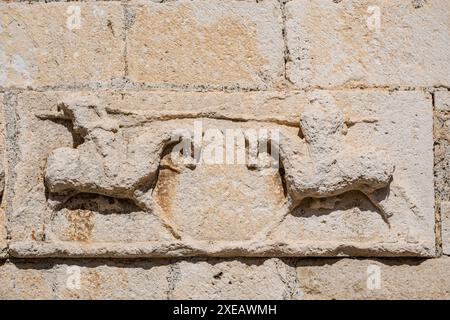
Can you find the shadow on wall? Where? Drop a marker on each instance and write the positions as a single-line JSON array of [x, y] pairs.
[[147, 264]]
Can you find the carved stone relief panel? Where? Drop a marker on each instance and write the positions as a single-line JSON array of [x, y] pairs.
[[148, 174]]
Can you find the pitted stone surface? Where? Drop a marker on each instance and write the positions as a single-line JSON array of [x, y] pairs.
[[442, 100], [368, 43], [61, 44], [3, 249], [441, 169], [445, 218], [107, 145], [225, 279], [90, 279], [206, 43], [96, 202]]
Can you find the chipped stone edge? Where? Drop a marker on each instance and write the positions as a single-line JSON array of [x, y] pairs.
[[3, 252], [156, 249]]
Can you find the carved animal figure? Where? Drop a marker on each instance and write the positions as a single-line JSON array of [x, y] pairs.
[[319, 165], [105, 163], [325, 165]]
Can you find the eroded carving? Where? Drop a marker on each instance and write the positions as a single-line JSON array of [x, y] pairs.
[[318, 165], [322, 165], [105, 163]]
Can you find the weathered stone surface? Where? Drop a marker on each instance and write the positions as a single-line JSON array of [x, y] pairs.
[[110, 189], [114, 280], [90, 279], [95, 96], [205, 43], [3, 245], [326, 166], [2, 181], [441, 169], [338, 43], [46, 44], [234, 279], [351, 279], [156, 279], [226, 279], [445, 229], [312, 225], [26, 281], [442, 100]]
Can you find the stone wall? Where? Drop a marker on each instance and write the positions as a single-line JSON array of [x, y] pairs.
[[117, 180]]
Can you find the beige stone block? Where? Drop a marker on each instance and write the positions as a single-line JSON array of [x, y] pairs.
[[2, 180], [442, 100], [235, 279], [87, 279], [102, 224], [350, 220], [3, 244], [210, 44], [368, 43], [445, 221], [226, 279], [441, 169], [112, 280], [78, 188], [61, 44], [374, 279], [30, 280]]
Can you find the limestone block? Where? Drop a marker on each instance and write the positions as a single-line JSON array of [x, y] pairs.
[[25, 281], [224, 279], [205, 43], [97, 175], [441, 169], [112, 280], [88, 279], [445, 220], [3, 245], [244, 278], [61, 44], [2, 181], [374, 279], [354, 43], [442, 100]]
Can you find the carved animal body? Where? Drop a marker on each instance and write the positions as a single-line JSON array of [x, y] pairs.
[[325, 165], [104, 163], [318, 166]]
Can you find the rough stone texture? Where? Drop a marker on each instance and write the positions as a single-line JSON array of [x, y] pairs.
[[331, 43], [205, 43], [91, 170], [98, 279], [38, 49], [155, 279], [231, 279], [92, 183], [442, 100], [3, 250], [226, 279], [400, 279], [445, 220], [441, 169]]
